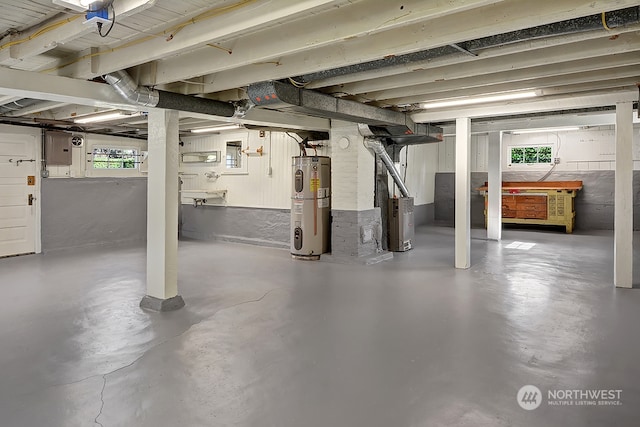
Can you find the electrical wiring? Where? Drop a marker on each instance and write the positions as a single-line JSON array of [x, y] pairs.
[[208, 15], [293, 137], [172, 31], [297, 84], [553, 167], [40, 32], [406, 162], [113, 22], [604, 21]]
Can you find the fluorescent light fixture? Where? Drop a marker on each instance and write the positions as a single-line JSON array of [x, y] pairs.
[[216, 128], [103, 117], [480, 100], [541, 130]]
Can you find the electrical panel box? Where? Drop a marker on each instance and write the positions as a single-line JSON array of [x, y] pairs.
[[57, 149], [401, 225]]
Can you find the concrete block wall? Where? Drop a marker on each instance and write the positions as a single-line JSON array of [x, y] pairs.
[[594, 203], [356, 233], [264, 227], [585, 155], [93, 211]]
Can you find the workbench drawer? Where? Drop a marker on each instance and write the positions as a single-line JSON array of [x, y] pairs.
[[531, 214], [531, 200], [509, 213], [509, 202], [531, 207]]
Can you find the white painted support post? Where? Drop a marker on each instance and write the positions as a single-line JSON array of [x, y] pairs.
[[623, 217], [463, 193], [162, 213], [494, 208]]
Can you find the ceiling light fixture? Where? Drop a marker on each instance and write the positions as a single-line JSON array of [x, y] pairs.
[[480, 100], [541, 130], [216, 128], [106, 117]]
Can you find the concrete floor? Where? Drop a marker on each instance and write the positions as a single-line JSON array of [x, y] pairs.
[[268, 341]]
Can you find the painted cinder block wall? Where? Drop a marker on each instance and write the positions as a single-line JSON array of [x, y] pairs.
[[585, 155], [85, 207], [82, 207], [256, 209]]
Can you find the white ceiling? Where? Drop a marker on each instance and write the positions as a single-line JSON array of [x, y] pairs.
[[216, 48]]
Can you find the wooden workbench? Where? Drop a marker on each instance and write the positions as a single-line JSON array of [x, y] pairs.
[[543, 203]]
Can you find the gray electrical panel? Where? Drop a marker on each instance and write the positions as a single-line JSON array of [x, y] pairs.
[[57, 149], [401, 228]]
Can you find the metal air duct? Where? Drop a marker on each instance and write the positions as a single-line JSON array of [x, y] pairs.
[[147, 97], [377, 147], [395, 126]]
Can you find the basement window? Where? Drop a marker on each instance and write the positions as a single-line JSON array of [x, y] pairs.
[[114, 158], [531, 155]]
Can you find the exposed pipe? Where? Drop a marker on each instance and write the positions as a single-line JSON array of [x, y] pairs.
[[377, 147], [147, 97]]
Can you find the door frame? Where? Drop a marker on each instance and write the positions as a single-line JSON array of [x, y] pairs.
[[36, 136], [38, 142]]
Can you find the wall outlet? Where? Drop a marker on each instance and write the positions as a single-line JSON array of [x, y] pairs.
[[556, 160]]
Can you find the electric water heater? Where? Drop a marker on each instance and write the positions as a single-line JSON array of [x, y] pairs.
[[310, 206]]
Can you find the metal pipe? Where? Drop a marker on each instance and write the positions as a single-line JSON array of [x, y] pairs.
[[377, 147], [128, 89], [147, 97]]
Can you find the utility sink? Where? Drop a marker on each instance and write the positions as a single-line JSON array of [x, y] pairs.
[[200, 197]]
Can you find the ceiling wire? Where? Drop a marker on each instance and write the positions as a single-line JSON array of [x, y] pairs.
[[171, 31], [40, 32], [553, 167], [604, 21], [113, 22]]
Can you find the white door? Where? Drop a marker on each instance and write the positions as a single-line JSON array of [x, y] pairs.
[[18, 183]]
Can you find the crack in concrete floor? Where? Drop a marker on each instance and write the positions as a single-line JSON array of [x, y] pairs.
[[150, 349]]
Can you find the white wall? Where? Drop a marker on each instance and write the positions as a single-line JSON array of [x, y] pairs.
[[420, 167], [479, 154], [266, 181], [80, 166], [581, 150], [255, 187]]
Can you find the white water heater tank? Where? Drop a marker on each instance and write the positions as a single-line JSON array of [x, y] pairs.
[[310, 206]]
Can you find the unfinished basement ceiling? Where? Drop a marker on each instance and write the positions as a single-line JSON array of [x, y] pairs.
[[389, 54]]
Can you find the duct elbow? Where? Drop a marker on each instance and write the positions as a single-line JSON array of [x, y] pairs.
[[129, 90], [242, 107], [374, 145]]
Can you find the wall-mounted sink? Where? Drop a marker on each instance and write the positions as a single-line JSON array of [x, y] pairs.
[[200, 197]]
